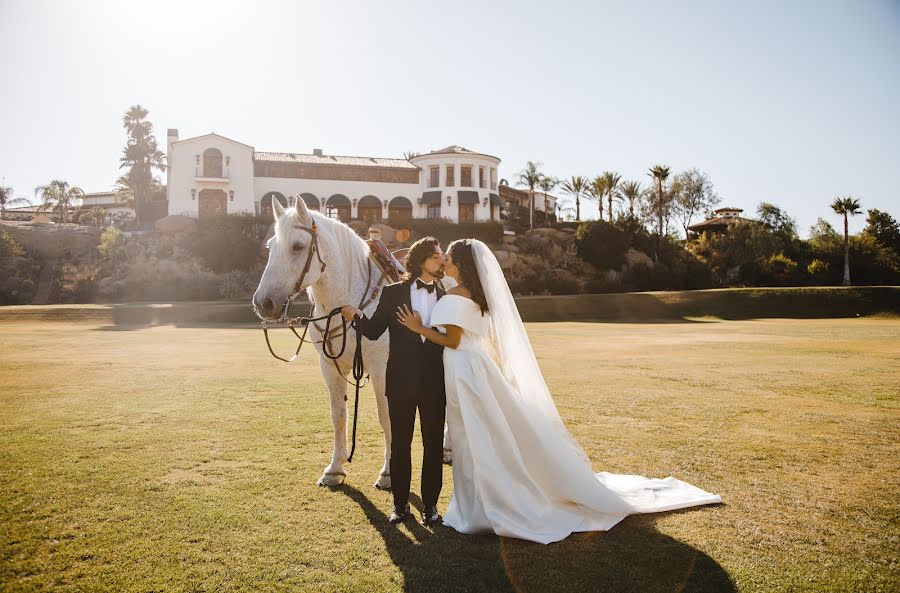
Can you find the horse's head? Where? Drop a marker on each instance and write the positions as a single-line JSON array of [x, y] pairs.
[[293, 264]]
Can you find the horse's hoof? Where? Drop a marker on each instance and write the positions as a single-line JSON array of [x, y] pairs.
[[383, 483], [331, 480], [448, 456]]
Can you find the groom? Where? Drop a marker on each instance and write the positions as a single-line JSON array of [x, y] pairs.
[[415, 376]]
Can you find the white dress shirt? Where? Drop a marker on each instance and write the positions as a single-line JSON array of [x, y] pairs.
[[422, 302]]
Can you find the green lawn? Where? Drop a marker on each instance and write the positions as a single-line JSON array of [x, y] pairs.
[[185, 459]]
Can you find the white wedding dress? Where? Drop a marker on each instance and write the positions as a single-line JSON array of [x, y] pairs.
[[517, 471]]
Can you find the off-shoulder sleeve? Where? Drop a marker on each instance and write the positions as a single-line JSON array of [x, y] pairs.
[[460, 311]]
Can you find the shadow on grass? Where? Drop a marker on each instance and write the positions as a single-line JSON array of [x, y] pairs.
[[633, 556]]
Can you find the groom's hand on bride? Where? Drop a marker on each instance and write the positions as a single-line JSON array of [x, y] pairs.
[[349, 311]]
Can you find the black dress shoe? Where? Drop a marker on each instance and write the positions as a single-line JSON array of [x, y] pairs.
[[398, 516], [430, 516]]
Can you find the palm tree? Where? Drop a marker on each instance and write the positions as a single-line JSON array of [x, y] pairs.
[[845, 206], [140, 156], [596, 189], [632, 191], [547, 183], [410, 154], [611, 181], [660, 173], [58, 195], [7, 199], [530, 177], [576, 186]]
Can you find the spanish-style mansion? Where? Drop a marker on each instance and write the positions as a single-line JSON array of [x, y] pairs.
[[211, 175]]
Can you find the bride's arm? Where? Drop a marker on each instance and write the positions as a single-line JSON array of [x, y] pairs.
[[412, 321]]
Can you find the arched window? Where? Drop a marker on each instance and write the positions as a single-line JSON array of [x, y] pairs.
[[212, 162], [369, 209], [338, 207], [311, 201], [399, 212], [265, 203]]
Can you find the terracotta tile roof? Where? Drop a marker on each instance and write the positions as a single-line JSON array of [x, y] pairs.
[[719, 221], [331, 159]]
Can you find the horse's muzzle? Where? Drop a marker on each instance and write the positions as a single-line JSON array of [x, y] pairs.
[[266, 309]]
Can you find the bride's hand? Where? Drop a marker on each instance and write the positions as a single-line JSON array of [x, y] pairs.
[[410, 319]]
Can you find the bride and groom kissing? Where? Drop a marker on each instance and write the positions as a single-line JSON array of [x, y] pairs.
[[463, 356]]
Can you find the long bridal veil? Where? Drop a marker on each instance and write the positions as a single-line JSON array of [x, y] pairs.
[[557, 462]]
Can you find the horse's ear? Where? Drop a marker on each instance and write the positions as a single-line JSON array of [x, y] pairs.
[[277, 208], [302, 210]]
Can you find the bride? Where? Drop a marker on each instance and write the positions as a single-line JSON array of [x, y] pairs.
[[517, 471]]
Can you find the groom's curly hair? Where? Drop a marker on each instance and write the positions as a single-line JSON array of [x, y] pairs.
[[463, 258], [420, 251]]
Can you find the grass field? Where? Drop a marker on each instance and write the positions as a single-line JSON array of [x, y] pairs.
[[185, 459]]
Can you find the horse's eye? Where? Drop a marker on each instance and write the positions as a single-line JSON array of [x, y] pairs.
[[298, 246]]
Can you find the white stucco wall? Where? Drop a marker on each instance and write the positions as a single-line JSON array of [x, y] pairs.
[[184, 174], [482, 211]]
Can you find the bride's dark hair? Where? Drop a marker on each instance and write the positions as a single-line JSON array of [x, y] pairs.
[[461, 252]]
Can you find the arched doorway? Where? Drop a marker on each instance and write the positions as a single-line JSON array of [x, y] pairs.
[[212, 162], [265, 203], [399, 212], [338, 207], [369, 209], [211, 202], [311, 201]]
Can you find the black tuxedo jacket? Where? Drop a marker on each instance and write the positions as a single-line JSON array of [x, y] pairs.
[[414, 368]]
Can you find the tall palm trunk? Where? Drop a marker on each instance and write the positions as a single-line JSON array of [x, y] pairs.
[[659, 219], [846, 253], [577, 209]]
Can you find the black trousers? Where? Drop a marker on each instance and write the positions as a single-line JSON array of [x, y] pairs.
[[432, 408]]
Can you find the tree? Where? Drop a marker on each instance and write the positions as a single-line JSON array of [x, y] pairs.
[[694, 194], [632, 191], [530, 177], [884, 228], [846, 206], [58, 195], [595, 191], [547, 183], [660, 173], [576, 186], [410, 154], [140, 157], [611, 181], [7, 199]]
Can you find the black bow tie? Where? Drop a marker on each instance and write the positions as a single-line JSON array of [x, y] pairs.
[[429, 287]]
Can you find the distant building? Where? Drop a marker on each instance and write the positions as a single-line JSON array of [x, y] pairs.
[[211, 174], [106, 200], [719, 222]]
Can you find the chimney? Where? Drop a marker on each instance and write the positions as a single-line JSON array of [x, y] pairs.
[[317, 151]]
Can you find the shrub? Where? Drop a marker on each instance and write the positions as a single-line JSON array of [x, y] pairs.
[[601, 244], [226, 243], [18, 272], [77, 282], [781, 269], [237, 284]]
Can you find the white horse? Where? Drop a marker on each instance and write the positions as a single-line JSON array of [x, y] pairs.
[[342, 281]]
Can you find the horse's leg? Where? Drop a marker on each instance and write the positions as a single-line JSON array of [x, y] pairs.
[[378, 384], [335, 473], [448, 447]]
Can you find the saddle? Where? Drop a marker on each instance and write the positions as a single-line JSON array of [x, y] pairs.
[[389, 263]]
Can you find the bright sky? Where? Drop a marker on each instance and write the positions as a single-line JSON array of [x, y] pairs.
[[794, 103]]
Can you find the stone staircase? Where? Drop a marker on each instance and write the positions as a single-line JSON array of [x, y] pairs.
[[45, 283]]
